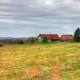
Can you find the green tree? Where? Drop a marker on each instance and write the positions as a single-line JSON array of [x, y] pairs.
[[77, 35]]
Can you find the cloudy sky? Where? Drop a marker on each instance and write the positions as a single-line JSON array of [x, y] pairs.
[[23, 18]]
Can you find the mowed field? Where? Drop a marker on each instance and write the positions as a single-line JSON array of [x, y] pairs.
[[56, 61]]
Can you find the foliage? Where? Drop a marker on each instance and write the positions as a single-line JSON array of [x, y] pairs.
[[45, 40], [20, 42], [77, 35]]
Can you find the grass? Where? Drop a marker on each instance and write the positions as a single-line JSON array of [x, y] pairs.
[[52, 61]]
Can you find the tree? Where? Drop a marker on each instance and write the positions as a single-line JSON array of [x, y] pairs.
[[77, 35]]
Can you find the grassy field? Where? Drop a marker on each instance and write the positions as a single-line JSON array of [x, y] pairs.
[[56, 61]]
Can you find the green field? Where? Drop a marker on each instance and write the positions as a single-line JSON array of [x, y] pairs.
[[54, 61]]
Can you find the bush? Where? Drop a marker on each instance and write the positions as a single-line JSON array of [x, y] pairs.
[[45, 40], [20, 42], [77, 35]]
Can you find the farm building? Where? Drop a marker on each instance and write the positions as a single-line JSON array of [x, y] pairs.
[[66, 37], [54, 37], [50, 37]]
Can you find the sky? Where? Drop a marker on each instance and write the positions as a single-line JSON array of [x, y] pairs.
[[24, 18]]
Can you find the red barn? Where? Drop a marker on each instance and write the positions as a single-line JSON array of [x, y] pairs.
[[50, 37], [66, 37]]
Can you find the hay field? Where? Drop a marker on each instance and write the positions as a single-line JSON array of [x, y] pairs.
[[56, 61]]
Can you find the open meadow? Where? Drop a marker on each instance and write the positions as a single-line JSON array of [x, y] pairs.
[[54, 61]]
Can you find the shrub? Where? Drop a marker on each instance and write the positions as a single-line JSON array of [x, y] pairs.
[[20, 42], [45, 40]]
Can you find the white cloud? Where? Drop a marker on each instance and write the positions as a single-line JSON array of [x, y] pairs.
[[42, 3]]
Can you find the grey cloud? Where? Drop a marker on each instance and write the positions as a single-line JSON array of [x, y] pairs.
[[40, 16]]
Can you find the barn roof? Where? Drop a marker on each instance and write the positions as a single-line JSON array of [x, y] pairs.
[[50, 36]]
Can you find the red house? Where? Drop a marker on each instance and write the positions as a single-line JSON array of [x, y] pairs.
[[50, 37], [66, 37], [55, 37]]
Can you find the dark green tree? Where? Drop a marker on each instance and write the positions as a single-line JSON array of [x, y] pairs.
[[77, 35]]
